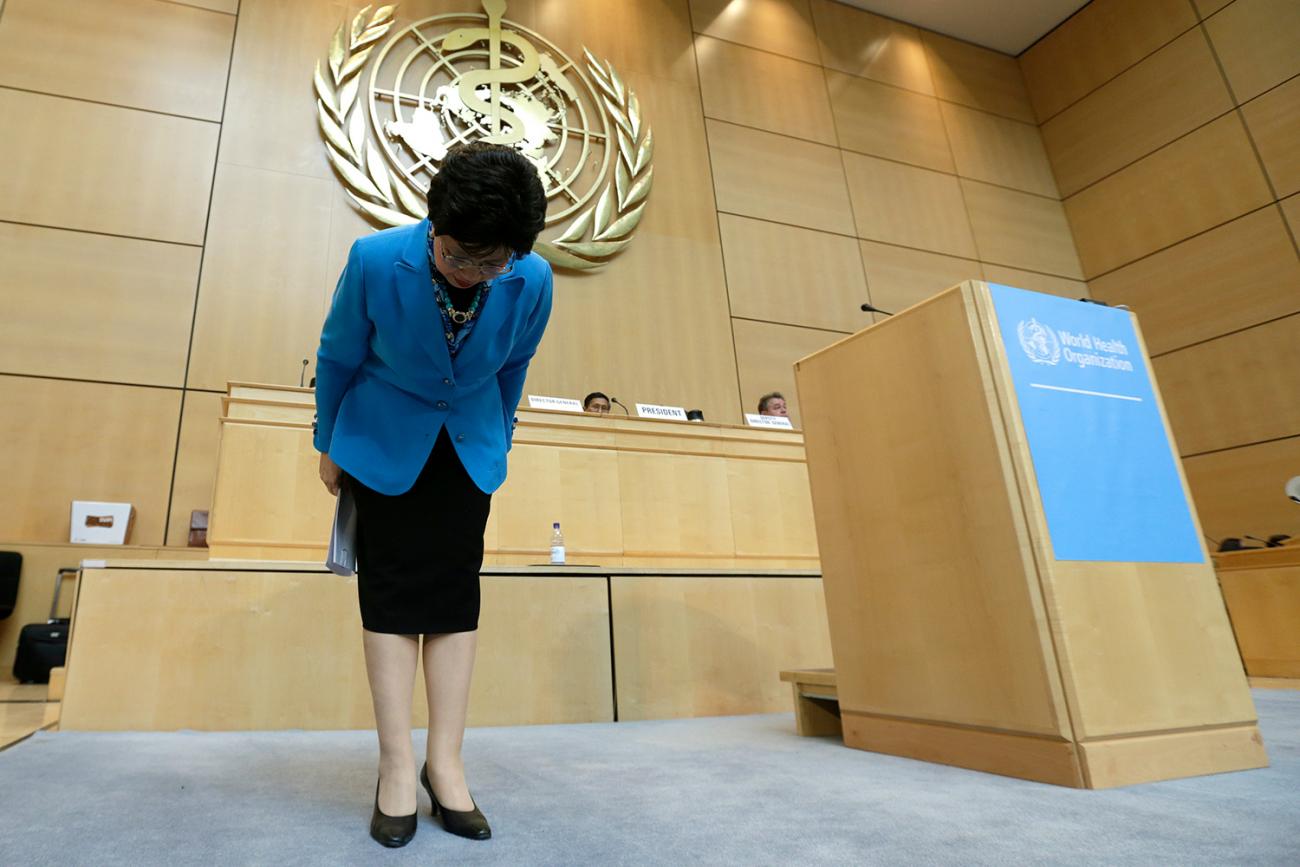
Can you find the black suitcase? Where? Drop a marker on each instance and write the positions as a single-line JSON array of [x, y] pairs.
[[42, 646]]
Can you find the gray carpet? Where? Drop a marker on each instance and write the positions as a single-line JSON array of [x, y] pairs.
[[731, 790]]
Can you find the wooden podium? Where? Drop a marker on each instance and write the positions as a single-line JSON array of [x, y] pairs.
[[958, 636]]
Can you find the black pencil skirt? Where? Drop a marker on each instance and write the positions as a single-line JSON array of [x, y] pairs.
[[419, 553]]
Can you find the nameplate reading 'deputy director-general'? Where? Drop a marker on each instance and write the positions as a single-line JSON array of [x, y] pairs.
[[768, 421], [654, 410], [563, 404]]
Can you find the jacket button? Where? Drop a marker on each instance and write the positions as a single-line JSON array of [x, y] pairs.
[[442, 404], [446, 381], [460, 438]]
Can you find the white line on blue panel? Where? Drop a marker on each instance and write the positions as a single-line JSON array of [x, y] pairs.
[[1085, 391]]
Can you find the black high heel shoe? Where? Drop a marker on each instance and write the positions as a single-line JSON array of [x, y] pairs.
[[391, 831], [470, 824]]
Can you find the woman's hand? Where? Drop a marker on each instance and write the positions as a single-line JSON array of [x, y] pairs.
[[330, 474]]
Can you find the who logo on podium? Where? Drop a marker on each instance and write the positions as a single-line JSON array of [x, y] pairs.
[[1038, 341], [392, 100]]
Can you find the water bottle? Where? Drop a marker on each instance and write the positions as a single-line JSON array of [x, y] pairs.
[[557, 545]]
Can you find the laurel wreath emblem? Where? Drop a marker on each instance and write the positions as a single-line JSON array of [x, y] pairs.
[[593, 238]]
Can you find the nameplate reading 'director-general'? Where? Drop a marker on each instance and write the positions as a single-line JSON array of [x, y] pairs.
[[563, 404], [654, 410], [768, 421]]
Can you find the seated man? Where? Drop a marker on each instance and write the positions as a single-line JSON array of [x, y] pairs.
[[772, 403], [595, 402]]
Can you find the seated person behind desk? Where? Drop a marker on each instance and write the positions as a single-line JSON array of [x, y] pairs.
[[596, 402], [772, 403]]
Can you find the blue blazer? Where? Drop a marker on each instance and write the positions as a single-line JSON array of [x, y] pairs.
[[386, 384]]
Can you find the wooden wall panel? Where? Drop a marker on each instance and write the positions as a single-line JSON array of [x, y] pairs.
[[1000, 151], [1097, 43], [759, 174], [41, 565], [1264, 604], [270, 122], [765, 356], [1196, 183], [767, 524], [1239, 492], [78, 165], [68, 441], [1229, 278], [977, 77], [291, 655], [644, 41], [575, 486], [1256, 41], [910, 206], [1166, 95], [542, 654], [84, 306], [898, 277], [860, 43], [1274, 123], [230, 7], [1036, 282], [757, 89], [691, 647], [260, 310], [698, 524], [137, 53], [1206, 8], [1021, 230], [780, 26], [886, 121], [1234, 390], [1291, 210], [598, 336], [196, 462], [796, 276]]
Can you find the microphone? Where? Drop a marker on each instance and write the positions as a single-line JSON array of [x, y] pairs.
[[303, 375], [1104, 303], [1233, 543], [867, 308], [1274, 541], [620, 403]]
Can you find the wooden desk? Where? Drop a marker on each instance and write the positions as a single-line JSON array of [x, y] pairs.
[[1262, 592], [627, 491], [245, 645]]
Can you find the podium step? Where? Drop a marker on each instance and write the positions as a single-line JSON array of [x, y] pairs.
[[816, 702]]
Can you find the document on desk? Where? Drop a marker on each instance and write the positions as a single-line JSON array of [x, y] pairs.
[[342, 556]]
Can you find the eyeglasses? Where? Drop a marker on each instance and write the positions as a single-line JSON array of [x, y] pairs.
[[485, 269]]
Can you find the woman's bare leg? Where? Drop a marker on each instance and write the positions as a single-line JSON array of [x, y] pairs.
[[390, 667], [448, 667]]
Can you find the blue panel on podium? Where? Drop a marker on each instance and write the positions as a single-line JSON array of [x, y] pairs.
[[1106, 473]]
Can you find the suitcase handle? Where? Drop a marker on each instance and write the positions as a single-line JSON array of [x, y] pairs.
[[58, 586]]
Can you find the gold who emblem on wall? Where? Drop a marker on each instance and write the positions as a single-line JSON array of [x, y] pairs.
[[464, 77]]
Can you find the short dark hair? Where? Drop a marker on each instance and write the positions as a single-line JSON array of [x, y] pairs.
[[488, 196], [771, 395], [586, 401]]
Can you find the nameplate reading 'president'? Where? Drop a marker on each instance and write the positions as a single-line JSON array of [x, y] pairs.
[[654, 410]]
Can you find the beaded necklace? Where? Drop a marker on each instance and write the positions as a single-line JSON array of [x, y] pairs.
[[456, 325]]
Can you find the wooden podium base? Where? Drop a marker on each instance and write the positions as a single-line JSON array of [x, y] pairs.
[[1101, 764]]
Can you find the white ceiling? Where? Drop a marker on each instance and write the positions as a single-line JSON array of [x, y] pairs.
[[1009, 26]]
